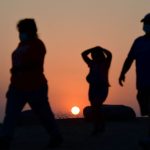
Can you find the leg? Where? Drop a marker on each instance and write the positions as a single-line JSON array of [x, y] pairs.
[[14, 106], [98, 119], [97, 96], [143, 98], [39, 103], [148, 98]]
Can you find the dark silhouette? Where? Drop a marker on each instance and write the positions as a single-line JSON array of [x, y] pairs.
[[28, 85], [140, 52], [111, 112], [99, 64]]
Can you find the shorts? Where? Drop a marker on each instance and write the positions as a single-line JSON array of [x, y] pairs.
[[143, 97]]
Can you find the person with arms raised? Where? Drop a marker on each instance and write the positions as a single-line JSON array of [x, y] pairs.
[[98, 60], [140, 53]]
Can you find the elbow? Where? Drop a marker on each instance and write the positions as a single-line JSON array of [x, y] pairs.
[[83, 54], [109, 56]]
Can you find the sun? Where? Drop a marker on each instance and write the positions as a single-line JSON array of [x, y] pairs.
[[75, 110]]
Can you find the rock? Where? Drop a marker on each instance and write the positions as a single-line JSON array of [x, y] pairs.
[[111, 112]]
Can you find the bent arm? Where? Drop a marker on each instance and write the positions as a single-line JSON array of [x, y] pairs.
[[108, 56], [85, 56]]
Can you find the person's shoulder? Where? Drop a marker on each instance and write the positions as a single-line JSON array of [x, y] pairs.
[[140, 38], [39, 41]]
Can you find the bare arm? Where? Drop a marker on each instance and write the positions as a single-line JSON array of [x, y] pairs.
[[85, 56], [125, 68], [108, 56], [128, 62]]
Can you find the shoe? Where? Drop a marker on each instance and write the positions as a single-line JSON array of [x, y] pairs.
[[55, 142]]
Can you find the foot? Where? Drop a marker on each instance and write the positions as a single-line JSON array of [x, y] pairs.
[[55, 142]]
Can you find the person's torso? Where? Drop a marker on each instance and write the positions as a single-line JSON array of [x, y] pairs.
[[27, 65], [98, 74], [142, 57]]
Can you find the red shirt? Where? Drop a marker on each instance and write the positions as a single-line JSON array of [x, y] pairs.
[[27, 65]]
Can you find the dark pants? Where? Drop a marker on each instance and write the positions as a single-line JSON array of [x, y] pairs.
[[143, 97], [38, 101]]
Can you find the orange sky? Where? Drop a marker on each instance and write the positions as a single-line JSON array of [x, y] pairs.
[[68, 27]]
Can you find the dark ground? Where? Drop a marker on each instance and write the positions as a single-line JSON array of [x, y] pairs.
[[119, 135]]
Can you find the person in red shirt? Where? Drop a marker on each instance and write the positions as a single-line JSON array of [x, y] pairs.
[[28, 85]]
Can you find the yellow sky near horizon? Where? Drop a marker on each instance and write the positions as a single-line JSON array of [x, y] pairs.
[[68, 27]]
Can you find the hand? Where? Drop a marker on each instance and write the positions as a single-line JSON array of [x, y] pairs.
[[121, 80]]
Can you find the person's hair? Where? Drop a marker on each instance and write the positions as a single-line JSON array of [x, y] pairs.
[[27, 25], [97, 54]]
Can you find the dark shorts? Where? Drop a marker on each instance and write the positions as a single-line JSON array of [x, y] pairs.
[[143, 97]]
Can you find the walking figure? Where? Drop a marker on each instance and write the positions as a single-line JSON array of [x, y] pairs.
[[140, 53], [28, 85]]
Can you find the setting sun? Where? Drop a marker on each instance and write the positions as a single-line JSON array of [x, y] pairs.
[[75, 110]]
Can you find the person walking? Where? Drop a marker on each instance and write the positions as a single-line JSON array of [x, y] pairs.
[[140, 53], [98, 60], [28, 85]]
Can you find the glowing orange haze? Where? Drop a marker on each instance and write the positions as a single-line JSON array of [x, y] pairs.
[[67, 28]]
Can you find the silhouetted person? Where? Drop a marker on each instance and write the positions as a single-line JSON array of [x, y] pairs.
[[99, 63], [28, 85], [140, 52]]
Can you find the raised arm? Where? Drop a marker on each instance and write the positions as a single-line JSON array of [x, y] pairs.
[[85, 56], [108, 56]]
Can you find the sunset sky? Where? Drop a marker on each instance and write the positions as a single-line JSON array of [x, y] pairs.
[[67, 27]]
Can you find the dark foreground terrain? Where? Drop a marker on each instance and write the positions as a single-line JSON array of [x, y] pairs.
[[119, 135]]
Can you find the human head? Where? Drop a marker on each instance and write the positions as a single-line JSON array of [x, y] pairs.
[[27, 26], [97, 54], [146, 23], [146, 19]]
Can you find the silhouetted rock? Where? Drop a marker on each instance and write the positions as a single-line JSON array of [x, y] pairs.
[[111, 112]]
